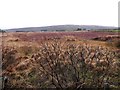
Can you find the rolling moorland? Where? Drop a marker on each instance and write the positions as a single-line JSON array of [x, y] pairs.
[[61, 28], [76, 59]]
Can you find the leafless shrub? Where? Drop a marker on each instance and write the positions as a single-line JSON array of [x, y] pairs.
[[65, 65], [75, 65]]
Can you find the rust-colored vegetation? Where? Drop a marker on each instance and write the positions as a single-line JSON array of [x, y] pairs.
[[61, 60]]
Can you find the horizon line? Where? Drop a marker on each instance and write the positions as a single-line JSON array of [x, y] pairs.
[[59, 25]]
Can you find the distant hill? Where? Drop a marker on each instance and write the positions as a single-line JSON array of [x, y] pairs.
[[61, 28]]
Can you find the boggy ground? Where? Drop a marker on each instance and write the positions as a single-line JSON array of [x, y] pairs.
[[64, 59]]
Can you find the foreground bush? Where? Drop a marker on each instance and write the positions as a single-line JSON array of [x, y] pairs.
[[69, 65]]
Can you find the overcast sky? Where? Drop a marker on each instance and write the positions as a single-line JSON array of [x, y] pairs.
[[35, 13]]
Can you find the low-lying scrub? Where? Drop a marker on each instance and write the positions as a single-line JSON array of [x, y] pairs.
[[67, 65]]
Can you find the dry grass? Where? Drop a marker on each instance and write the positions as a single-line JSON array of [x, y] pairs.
[[29, 63]]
